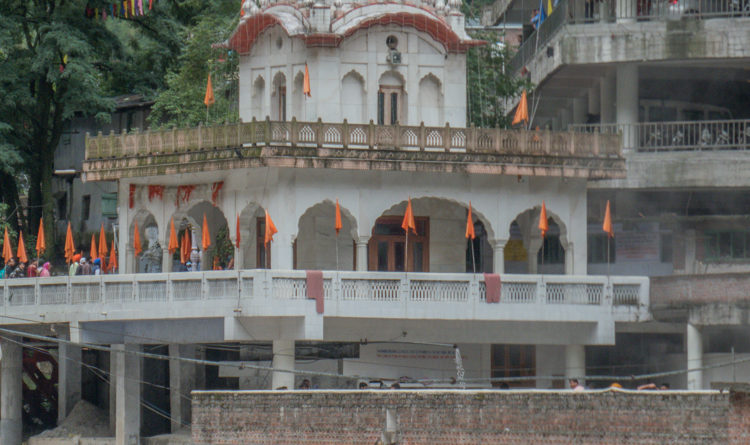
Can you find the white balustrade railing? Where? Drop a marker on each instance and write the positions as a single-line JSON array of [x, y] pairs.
[[281, 285]]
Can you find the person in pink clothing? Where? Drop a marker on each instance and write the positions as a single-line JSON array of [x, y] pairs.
[[44, 272]]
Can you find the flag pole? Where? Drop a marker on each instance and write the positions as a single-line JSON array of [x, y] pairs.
[[406, 252], [337, 251], [473, 261]]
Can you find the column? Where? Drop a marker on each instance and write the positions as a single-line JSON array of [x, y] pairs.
[[283, 358], [282, 252], [564, 118], [625, 10], [362, 253], [594, 98], [579, 110], [166, 261], [129, 265], [69, 379], [11, 394], [181, 382], [694, 357], [127, 376], [607, 98], [498, 255], [627, 102], [569, 262], [575, 362]]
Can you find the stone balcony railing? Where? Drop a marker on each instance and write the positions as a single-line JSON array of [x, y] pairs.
[[353, 146], [272, 293]]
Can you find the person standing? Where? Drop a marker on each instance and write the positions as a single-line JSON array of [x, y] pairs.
[[10, 266], [44, 272], [73, 270], [20, 271]]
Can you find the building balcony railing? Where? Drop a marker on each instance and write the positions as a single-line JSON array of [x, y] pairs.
[[397, 294], [677, 136], [350, 146], [583, 12]]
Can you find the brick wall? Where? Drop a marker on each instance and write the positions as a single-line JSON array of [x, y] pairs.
[[685, 290], [470, 417]]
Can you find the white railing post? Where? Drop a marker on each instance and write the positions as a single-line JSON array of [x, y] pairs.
[[608, 293], [69, 290], [405, 293], [473, 293], [541, 290]]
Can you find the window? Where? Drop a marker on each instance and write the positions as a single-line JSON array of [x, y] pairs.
[[514, 361], [727, 245], [86, 207], [387, 245], [381, 108], [389, 105], [597, 248], [552, 251], [109, 205]]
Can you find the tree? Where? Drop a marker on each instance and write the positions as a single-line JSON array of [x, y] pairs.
[[490, 86]]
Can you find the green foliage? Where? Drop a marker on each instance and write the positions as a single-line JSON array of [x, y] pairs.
[[181, 104], [223, 249], [489, 83]]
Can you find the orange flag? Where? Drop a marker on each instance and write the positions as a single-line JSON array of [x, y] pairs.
[[205, 235], [7, 250], [102, 244], [270, 229], [543, 225], [607, 226], [93, 252], [522, 111], [173, 244], [208, 99], [184, 248], [306, 85], [112, 258], [470, 225], [137, 240], [238, 231], [21, 253], [338, 225], [70, 247], [41, 245], [408, 222]]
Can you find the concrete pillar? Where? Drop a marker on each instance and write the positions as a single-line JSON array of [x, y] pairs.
[[564, 118], [575, 362], [627, 102], [11, 394], [181, 382], [594, 98], [128, 266], [127, 376], [569, 259], [283, 358], [625, 10], [166, 261], [362, 253], [694, 357], [607, 98], [238, 260], [69, 379], [550, 361], [579, 110], [498, 255]]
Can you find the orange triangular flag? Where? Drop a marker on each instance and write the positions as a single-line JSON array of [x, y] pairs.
[[607, 226], [112, 266], [338, 224], [205, 235], [408, 222], [306, 84], [173, 244], [70, 248], [522, 111], [102, 244], [21, 253], [137, 240], [543, 225], [93, 251], [270, 229], [470, 225], [208, 99], [184, 248], [7, 250], [41, 244], [238, 232]]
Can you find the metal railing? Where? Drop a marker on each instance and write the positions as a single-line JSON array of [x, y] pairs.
[[609, 11], [350, 136], [677, 136], [376, 287]]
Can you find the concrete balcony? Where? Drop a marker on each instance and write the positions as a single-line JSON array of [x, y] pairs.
[[353, 147], [260, 304]]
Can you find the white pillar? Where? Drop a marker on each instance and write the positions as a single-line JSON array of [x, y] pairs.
[[127, 375], [283, 358], [181, 382], [694, 357], [569, 259], [626, 11], [627, 102], [69, 379], [166, 261], [128, 265], [575, 362], [282, 252], [362, 253], [11, 394], [498, 255], [607, 98]]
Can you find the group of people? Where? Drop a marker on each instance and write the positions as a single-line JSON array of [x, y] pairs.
[[18, 269], [83, 266]]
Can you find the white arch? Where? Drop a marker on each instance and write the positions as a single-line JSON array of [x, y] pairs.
[[354, 98], [430, 107]]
